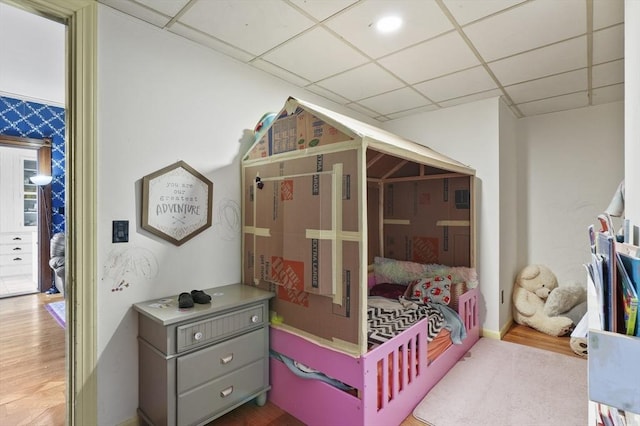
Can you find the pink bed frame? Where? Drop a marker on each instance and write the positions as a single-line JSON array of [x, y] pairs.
[[315, 402]]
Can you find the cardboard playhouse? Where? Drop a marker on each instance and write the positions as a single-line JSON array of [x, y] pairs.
[[323, 195]]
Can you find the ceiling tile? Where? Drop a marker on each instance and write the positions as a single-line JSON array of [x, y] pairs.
[[316, 55], [608, 44], [254, 26], [434, 58], [471, 98], [321, 10], [458, 84], [607, 74], [465, 11], [211, 42], [607, 12], [366, 111], [166, 7], [527, 26], [421, 20], [398, 100], [566, 56], [608, 94], [327, 94], [279, 72], [560, 103], [559, 84], [362, 82], [413, 111], [139, 11]]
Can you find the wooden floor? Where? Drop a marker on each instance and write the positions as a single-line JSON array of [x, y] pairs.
[[32, 368], [32, 362]]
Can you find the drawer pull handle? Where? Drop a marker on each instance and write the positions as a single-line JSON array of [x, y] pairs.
[[227, 359], [254, 319], [226, 392], [17, 239], [198, 336], [17, 258], [17, 248]]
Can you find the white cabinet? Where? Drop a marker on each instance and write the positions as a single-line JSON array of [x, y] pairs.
[[19, 207], [18, 213], [17, 254]]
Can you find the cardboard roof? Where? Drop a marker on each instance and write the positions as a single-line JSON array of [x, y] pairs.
[[379, 139]]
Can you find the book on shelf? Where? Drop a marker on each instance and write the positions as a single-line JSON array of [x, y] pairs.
[[605, 247], [628, 257], [629, 298], [595, 272]]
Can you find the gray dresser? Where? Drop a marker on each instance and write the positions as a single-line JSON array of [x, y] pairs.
[[199, 363]]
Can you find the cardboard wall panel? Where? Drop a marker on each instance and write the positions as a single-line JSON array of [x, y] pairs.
[[424, 223], [305, 241]]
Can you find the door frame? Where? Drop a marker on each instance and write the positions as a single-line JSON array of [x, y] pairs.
[[80, 18], [43, 146]]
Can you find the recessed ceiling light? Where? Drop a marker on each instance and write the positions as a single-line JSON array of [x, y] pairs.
[[389, 24]]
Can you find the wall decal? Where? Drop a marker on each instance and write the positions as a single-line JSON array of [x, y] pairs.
[[126, 266]]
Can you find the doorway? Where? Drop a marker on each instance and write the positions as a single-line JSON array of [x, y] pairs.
[[80, 17], [25, 216]]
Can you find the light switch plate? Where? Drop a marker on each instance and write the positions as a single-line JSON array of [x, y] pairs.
[[120, 231]]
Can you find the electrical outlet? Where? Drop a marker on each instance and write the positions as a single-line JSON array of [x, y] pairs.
[[120, 231]]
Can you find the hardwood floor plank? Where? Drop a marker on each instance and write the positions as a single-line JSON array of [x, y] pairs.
[[32, 362]]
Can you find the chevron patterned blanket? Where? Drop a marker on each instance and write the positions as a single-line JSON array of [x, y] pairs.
[[384, 324]]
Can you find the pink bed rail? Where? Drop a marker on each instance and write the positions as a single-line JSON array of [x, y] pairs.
[[390, 380]]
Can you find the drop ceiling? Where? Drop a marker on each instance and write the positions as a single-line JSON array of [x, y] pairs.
[[541, 55]]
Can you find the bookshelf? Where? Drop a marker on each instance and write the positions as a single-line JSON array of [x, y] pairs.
[[613, 364]]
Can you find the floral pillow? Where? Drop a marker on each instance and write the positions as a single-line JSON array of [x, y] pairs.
[[431, 290]]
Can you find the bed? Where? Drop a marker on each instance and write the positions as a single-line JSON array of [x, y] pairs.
[[386, 383], [331, 208]]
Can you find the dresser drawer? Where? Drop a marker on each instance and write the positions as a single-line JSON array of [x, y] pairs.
[[16, 238], [16, 249], [199, 403], [210, 330], [207, 364], [15, 259]]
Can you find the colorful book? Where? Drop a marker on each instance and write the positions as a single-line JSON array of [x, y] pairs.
[[629, 298], [631, 265]]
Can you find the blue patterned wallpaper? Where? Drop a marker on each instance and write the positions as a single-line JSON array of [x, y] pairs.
[[35, 120]]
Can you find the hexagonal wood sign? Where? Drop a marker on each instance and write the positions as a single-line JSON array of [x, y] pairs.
[[176, 203]]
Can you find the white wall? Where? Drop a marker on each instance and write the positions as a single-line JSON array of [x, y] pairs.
[[572, 163], [540, 185], [632, 112], [162, 99], [469, 133], [33, 57], [511, 258]]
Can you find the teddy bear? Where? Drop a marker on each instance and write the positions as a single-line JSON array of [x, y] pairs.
[[567, 300], [533, 286]]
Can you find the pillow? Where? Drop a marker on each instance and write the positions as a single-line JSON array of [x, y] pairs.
[[431, 290], [397, 271], [388, 290]]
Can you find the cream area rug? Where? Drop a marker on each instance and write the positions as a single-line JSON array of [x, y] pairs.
[[500, 383]]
